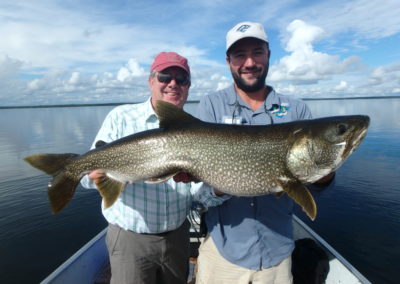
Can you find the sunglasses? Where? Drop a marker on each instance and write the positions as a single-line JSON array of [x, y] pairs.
[[180, 79]]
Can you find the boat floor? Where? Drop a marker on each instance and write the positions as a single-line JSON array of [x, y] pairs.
[[310, 252]]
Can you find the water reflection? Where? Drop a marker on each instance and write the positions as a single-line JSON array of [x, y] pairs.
[[364, 203], [384, 113], [53, 130], [32, 241]]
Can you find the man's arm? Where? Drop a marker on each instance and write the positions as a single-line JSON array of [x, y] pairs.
[[107, 133], [207, 195]]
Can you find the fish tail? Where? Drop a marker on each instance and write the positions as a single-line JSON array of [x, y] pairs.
[[61, 189]]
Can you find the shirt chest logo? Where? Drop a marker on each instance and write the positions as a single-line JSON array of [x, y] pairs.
[[279, 110]]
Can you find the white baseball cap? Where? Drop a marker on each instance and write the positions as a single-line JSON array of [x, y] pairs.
[[243, 30]]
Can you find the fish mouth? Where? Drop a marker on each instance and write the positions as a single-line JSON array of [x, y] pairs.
[[356, 139]]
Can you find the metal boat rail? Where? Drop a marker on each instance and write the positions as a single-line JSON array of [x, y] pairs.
[[88, 264]]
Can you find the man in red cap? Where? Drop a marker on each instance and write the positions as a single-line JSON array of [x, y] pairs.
[[166, 66], [148, 233]]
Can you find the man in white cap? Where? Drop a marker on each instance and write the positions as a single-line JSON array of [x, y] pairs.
[[250, 238]]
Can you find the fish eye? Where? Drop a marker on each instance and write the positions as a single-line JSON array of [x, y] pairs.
[[341, 129]]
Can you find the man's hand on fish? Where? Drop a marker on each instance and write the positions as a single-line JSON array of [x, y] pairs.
[[185, 178], [96, 176]]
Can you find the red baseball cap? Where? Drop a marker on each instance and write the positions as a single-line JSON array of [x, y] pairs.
[[168, 59]]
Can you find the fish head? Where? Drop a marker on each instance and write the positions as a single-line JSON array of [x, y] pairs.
[[322, 145]]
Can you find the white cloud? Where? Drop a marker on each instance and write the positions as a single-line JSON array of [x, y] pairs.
[[368, 18], [132, 69], [64, 87], [10, 86], [304, 65], [52, 51], [342, 86], [95, 39], [384, 79], [206, 81], [302, 36], [384, 73], [9, 67], [74, 80], [36, 84], [364, 19]]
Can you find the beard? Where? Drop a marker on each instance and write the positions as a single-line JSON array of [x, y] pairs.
[[250, 88]]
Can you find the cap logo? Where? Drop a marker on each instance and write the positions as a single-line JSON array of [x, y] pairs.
[[243, 28]]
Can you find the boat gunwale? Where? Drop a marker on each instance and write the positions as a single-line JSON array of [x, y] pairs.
[[101, 235], [76, 256], [331, 250]]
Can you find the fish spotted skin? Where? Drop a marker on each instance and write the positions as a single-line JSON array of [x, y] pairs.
[[236, 159]]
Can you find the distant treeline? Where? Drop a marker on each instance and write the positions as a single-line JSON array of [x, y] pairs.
[[188, 102]]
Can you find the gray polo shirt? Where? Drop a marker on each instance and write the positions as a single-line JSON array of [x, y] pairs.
[[252, 232], [221, 106]]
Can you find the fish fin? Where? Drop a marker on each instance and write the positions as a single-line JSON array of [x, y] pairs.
[[110, 190], [170, 115], [61, 189], [300, 194], [160, 179]]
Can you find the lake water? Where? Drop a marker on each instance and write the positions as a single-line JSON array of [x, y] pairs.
[[360, 217]]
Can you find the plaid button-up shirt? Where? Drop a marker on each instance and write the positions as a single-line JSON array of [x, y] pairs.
[[144, 207]]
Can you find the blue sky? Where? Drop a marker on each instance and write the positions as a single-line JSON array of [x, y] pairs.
[[87, 51]]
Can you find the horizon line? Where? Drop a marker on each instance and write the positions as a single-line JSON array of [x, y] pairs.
[[188, 102]]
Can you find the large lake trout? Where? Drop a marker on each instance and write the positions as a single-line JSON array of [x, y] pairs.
[[236, 159]]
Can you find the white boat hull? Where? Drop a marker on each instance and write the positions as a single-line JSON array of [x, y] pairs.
[[87, 264]]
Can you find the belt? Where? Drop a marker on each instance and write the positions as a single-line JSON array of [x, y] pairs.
[[163, 234]]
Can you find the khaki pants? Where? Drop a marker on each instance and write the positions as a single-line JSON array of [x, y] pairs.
[[213, 268]]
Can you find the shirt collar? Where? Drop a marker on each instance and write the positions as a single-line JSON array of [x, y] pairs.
[[271, 99], [233, 97], [148, 114]]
